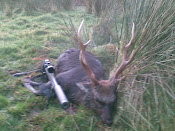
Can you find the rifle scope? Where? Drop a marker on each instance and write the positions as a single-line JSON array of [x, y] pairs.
[[49, 70]]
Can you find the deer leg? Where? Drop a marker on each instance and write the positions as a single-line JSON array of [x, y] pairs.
[[32, 83], [43, 78], [48, 92], [29, 84], [44, 89], [30, 87], [25, 73]]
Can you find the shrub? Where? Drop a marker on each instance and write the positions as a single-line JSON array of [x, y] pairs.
[[33, 7]]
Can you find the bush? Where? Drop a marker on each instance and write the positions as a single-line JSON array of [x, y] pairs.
[[31, 7], [99, 7], [67, 4]]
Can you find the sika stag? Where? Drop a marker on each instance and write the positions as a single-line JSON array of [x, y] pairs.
[[81, 76]]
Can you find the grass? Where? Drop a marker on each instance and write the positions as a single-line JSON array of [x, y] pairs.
[[24, 42], [146, 98]]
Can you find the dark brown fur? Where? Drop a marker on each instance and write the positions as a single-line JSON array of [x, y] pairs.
[[81, 76], [77, 85]]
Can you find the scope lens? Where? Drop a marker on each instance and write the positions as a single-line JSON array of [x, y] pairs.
[[50, 70]]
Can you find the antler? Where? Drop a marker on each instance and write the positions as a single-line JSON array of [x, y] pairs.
[[125, 62], [82, 56]]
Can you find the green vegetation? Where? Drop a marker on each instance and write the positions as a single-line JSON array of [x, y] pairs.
[[149, 94], [4, 101], [146, 99]]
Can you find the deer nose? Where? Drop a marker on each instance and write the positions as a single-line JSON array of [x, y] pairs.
[[108, 122]]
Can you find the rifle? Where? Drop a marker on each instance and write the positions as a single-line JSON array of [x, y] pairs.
[[49, 70]]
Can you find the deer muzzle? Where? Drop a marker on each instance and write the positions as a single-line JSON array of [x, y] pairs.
[[106, 115]]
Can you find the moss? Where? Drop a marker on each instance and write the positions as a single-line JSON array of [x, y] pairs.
[[47, 18], [8, 50], [40, 32], [18, 110], [3, 118], [22, 21], [3, 102]]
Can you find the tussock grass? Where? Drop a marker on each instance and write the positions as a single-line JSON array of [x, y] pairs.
[[148, 93]]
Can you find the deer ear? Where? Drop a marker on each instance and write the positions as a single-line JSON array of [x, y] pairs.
[[116, 81]]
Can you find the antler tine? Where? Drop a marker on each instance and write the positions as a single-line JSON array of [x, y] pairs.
[[83, 46], [125, 62], [132, 38], [130, 42], [82, 56]]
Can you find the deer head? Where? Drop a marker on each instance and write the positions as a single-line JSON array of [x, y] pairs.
[[104, 90]]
